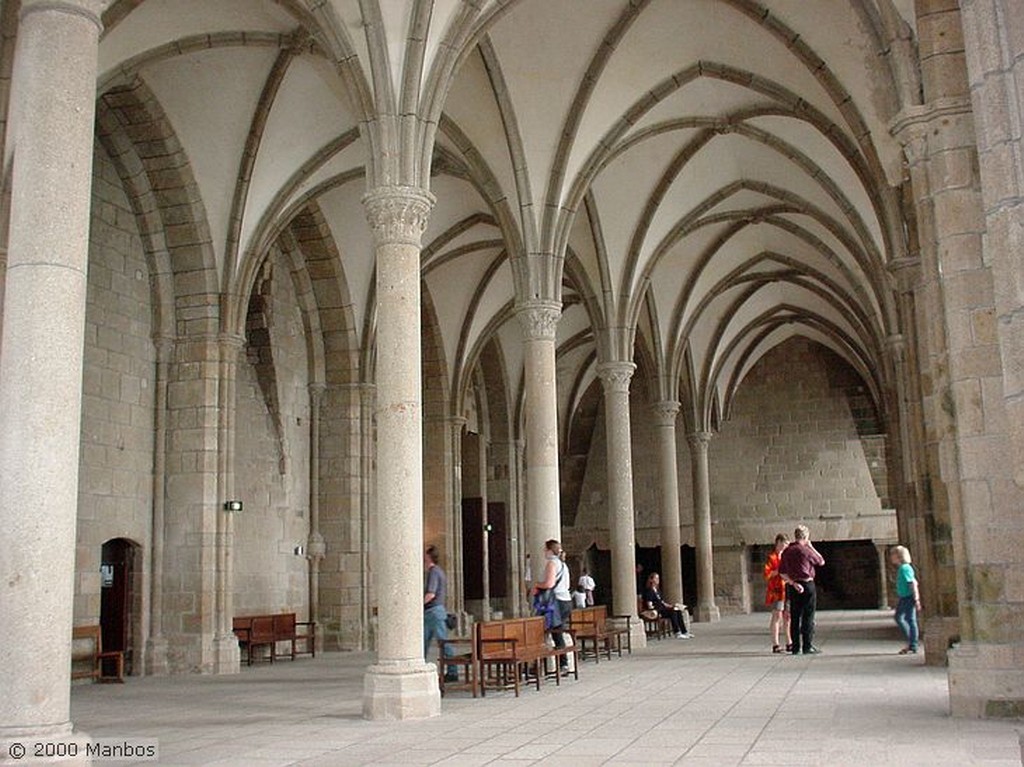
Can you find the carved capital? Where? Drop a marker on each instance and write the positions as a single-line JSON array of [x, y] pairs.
[[943, 123], [699, 439], [665, 413], [398, 214], [539, 319], [906, 271], [897, 345], [615, 376]]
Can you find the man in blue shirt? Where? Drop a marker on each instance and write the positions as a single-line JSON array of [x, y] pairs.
[[434, 611]]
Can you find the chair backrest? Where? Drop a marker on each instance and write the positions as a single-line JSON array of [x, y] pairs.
[[262, 628], [86, 642], [535, 635], [510, 628], [284, 625]]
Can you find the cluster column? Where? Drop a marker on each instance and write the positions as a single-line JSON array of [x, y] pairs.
[[539, 320], [41, 361], [399, 685], [707, 610], [316, 546], [615, 378], [671, 558]]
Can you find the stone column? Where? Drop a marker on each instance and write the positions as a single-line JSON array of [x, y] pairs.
[[543, 515], [883, 575], [226, 652], [456, 589], [707, 611], [615, 377], [399, 685], [986, 671], [156, 643], [316, 547], [41, 362], [664, 414]]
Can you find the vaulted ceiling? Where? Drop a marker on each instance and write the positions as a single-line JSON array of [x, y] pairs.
[[697, 179]]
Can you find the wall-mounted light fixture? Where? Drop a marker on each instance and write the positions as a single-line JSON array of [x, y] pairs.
[[232, 505]]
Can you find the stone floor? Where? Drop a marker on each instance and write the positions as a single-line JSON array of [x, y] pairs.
[[721, 699]]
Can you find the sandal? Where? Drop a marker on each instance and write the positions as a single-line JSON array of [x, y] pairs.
[[908, 651], [776, 648]]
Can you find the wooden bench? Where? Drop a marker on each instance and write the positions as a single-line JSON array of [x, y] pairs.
[[255, 631], [507, 648], [590, 626], [87, 651]]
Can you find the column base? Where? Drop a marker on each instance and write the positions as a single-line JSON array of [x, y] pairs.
[[637, 635], [936, 635], [45, 745], [707, 614], [156, 657], [227, 658], [986, 681], [401, 691]]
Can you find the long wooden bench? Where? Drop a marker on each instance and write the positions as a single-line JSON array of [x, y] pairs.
[[590, 627], [255, 631], [88, 656], [506, 649]]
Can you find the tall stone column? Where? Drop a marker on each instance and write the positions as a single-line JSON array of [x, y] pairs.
[[539, 320], [707, 610], [41, 362], [399, 685], [226, 652], [664, 414], [615, 377], [456, 589], [316, 546], [156, 642]]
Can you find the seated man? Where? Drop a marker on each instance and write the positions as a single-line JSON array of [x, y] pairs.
[[654, 601]]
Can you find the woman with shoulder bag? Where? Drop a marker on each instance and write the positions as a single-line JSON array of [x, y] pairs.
[[556, 578]]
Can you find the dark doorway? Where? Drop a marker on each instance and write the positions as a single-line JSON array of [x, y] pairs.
[[473, 548], [497, 550], [117, 598]]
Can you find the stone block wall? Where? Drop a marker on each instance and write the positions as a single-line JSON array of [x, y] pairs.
[[788, 453], [116, 463], [272, 460]]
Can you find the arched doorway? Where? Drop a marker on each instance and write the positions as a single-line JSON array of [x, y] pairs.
[[119, 598]]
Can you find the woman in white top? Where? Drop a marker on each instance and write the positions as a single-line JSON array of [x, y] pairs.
[[556, 576]]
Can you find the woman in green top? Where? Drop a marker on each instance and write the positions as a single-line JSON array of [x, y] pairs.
[[909, 597]]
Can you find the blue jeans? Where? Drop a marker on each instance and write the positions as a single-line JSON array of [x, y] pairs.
[[906, 619], [434, 627]]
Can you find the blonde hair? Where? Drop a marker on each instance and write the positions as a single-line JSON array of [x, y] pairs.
[[903, 553], [801, 533]]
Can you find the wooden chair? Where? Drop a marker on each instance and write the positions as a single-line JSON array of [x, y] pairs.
[[463, 659], [87, 651]]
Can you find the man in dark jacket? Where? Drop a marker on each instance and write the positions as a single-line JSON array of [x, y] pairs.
[[797, 569]]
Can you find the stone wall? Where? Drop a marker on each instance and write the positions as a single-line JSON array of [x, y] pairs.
[[272, 453], [116, 471]]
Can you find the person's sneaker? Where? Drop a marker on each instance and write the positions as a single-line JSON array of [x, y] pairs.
[[684, 636], [812, 651]]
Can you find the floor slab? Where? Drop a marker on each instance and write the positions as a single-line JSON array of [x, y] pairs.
[[720, 699]]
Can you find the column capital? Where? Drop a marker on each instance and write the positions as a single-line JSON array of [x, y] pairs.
[[665, 413], [946, 123], [699, 439], [539, 319], [398, 214], [87, 9], [457, 422], [897, 345], [906, 271], [615, 376]]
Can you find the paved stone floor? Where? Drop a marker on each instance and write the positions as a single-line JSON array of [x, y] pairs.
[[721, 699]]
